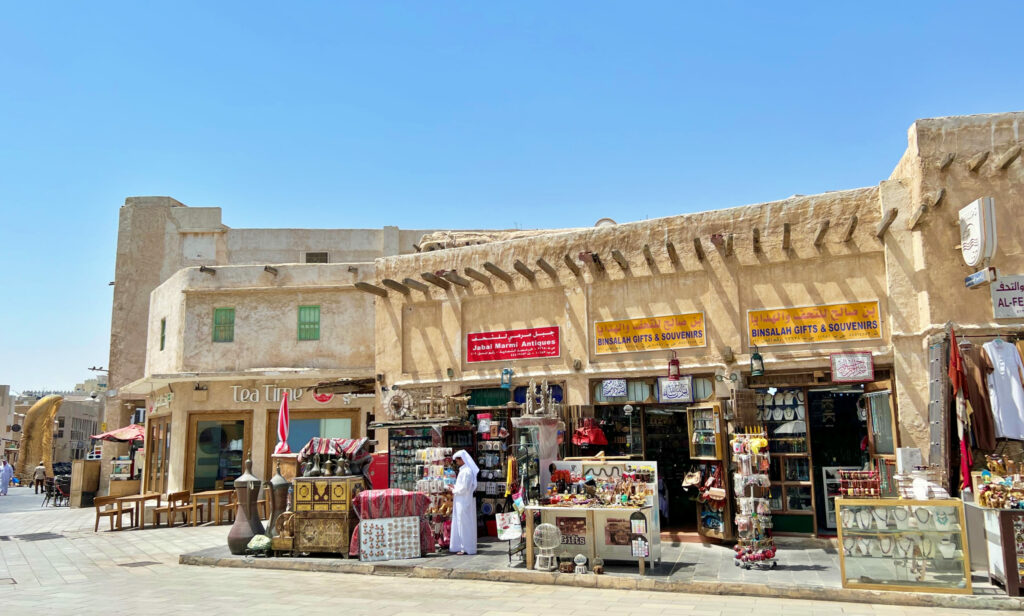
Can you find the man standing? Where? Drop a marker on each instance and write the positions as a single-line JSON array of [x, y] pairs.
[[6, 472], [39, 474]]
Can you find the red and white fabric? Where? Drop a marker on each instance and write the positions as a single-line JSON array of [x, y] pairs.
[[282, 426]]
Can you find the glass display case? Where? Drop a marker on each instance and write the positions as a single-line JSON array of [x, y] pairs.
[[705, 426], [903, 545], [783, 412]]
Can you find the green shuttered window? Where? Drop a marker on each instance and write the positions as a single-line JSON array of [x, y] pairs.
[[223, 324], [309, 322]]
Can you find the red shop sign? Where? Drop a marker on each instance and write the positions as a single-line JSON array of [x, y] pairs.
[[513, 344]]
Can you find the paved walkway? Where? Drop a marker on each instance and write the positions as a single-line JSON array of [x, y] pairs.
[[52, 560]]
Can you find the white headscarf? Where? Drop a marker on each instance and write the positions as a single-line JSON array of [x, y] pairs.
[[470, 464]]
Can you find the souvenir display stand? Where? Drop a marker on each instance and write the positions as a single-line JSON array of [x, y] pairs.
[[434, 466], [592, 501], [903, 545], [536, 447], [1004, 538], [755, 546], [708, 447]]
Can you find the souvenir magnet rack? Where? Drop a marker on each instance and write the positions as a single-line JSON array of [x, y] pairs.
[[755, 546]]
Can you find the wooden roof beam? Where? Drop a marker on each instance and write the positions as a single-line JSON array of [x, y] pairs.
[[575, 269], [975, 162], [416, 284], [477, 275], [756, 233], [522, 268], [819, 235], [496, 271], [436, 280], [547, 267], [453, 276], [670, 248], [851, 226], [728, 245], [698, 248], [786, 236], [592, 257], [620, 259], [1008, 157], [887, 220], [396, 286], [371, 288]]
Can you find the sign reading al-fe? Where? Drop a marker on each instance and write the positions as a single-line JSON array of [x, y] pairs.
[[810, 324], [676, 331]]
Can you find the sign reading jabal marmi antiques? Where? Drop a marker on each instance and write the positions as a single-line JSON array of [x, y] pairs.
[[1008, 297], [811, 324], [676, 331], [513, 344]]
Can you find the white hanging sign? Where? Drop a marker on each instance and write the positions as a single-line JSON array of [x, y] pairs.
[[978, 231]]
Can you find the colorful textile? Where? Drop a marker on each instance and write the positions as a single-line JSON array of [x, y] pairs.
[[348, 448], [132, 432], [390, 503]]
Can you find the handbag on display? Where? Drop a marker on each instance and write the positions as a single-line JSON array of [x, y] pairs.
[[589, 434]]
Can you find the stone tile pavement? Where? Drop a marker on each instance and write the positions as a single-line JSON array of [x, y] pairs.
[[72, 570]]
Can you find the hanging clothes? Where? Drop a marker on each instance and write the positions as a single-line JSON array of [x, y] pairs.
[[464, 510], [1005, 388], [982, 422], [958, 380]]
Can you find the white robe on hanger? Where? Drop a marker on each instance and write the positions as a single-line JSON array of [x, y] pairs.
[[464, 510]]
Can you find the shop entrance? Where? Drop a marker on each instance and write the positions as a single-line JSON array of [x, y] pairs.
[[839, 432], [667, 443], [218, 443]]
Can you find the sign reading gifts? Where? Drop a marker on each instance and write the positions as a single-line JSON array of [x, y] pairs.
[[513, 344], [810, 324], [676, 331]]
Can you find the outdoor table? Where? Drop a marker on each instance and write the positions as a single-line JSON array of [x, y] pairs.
[[138, 500], [213, 497]]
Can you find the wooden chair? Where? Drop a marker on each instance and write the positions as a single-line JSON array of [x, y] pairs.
[[111, 512], [178, 502], [228, 509]]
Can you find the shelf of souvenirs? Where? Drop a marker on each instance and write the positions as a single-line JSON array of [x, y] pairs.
[[954, 530]]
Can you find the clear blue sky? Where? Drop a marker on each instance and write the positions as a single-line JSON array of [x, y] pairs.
[[442, 114]]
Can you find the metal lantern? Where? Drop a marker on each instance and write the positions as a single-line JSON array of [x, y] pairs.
[[756, 363], [506, 378], [673, 368]]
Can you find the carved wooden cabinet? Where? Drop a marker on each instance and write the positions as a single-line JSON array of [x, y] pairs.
[[324, 518]]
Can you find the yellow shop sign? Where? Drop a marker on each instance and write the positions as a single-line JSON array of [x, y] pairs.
[[810, 324], [677, 331]]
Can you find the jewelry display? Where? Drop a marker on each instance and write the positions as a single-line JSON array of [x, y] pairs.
[[904, 545]]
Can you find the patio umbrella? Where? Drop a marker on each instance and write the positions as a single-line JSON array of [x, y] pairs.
[[127, 434], [282, 426]]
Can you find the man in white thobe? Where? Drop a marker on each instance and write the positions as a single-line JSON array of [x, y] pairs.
[[6, 473], [464, 510]]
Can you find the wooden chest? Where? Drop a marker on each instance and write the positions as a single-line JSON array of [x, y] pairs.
[[325, 493], [322, 531]]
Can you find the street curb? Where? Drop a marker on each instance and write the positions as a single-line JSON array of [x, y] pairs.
[[523, 576]]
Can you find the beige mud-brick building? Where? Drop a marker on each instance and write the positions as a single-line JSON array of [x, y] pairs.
[[881, 265], [159, 237]]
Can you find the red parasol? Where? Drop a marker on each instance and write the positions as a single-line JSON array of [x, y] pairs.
[[133, 432], [282, 426]]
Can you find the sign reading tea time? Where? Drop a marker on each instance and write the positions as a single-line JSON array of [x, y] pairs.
[[513, 344], [676, 331], [810, 324]]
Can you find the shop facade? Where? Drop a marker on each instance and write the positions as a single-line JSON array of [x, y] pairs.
[[223, 351], [828, 304]]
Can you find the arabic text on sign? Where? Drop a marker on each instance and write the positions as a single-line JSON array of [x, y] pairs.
[[512, 344], [677, 331], [829, 323]]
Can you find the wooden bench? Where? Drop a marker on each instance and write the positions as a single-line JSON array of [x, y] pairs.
[[111, 511]]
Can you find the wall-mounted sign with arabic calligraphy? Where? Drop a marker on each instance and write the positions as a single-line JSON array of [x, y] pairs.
[[1008, 297], [856, 367], [675, 391], [513, 344], [812, 324], [676, 331], [613, 388]]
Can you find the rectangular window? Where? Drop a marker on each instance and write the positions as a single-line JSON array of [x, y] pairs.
[[223, 324], [309, 322], [316, 257], [163, 332]]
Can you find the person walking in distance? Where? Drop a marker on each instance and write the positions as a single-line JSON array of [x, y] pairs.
[[38, 475], [6, 472]]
